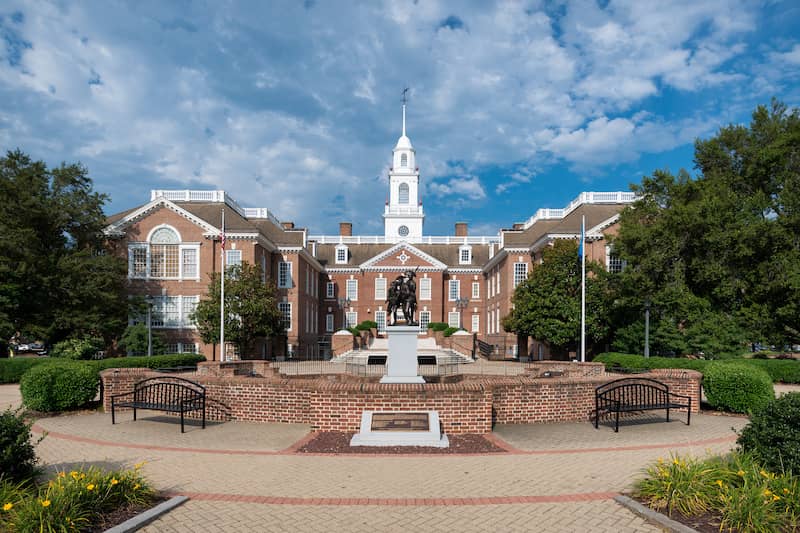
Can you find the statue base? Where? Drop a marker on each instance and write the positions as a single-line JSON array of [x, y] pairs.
[[401, 364]]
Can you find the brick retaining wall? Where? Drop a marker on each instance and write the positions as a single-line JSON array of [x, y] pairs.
[[469, 406]]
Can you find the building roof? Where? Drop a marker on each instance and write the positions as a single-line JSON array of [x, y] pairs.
[[570, 224]]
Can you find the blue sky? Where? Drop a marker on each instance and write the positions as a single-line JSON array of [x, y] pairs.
[[295, 105]]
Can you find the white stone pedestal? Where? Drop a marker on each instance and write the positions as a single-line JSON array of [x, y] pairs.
[[431, 436], [401, 365]]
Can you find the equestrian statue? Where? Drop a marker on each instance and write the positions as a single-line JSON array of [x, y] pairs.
[[403, 297]]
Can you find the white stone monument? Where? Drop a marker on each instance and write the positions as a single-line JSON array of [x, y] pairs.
[[401, 364]]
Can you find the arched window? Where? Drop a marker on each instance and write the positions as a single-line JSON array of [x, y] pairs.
[[164, 253], [403, 160], [403, 193]]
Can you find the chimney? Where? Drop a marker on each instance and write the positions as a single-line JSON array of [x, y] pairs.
[[287, 225], [346, 229], [461, 229], [518, 226]]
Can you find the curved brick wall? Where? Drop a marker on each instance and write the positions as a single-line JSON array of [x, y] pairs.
[[470, 406]]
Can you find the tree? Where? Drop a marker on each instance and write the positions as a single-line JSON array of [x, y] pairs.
[[718, 254], [135, 340], [56, 281], [251, 305], [547, 305]]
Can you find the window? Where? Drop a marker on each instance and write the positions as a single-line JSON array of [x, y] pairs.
[[284, 275], [424, 320], [454, 319], [465, 255], [263, 269], [286, 310], [614, 263], [380, 319], [497, 279], [189, 262], [233, 260], [454, 290], [341, 254], [520, 273], [329, 289], [188, 307], [329, 322], [351, 319], [476, 290], [163, 260], [403, 196], [165, 312], [380, 289], [352, 289], [403, 160], [137, 261], [425, 288], [476, 321], [187, 347]]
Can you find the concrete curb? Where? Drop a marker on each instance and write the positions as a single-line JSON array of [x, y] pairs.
[[652, 516], [142, 519]]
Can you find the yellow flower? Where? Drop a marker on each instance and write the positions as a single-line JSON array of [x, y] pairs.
[[74, 474], [61, 474], [675, 461], [83, 475], [8, 506], [767, 492], [45, 503], [137, 466], [90, 486], [661, 460], [775, 497], [785, 490], [114, 481], [136, 486], [740, 473], [719, 482]]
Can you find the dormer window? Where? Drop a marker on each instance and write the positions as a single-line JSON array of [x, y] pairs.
[[341, 254], [403, 196], [404, 160], [465, 255]]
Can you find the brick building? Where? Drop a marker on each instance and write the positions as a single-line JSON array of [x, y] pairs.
[[327, 282]]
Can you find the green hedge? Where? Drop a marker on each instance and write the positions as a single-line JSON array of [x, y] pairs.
[[773, 434], [737, 388], [438, 326], [11, 370], [59, 386], [780, 370]]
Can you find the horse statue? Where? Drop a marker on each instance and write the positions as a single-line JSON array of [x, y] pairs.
[[393, 302], [402, 296]]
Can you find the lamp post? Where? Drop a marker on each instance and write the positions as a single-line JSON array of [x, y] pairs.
[[344, 303], [647, 328], [149, 300], [461, 304]]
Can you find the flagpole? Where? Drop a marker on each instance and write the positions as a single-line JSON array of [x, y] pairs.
[[583, 289], [222, 293]]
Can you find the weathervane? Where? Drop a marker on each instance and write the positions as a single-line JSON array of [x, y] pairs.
[[405, 98]]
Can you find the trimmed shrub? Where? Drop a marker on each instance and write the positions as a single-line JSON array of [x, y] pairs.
[[17, 455], [11, 370], [773, 435], [449, 331], [367, 325], [738, 388], [438, 326], [59, 386], [84, 348], [135, 339]]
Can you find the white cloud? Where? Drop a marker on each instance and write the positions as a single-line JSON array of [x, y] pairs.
[[465, 187]]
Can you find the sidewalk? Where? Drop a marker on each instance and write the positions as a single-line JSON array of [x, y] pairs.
[[245, 477]]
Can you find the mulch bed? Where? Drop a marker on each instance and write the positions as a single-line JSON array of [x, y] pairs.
[[119, 516], [704, 523], [339, 442]]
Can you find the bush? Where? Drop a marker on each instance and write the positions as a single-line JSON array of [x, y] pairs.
[[438, 326], [449, 331], [773, 434], [738, 388], [59, 386], [17, 455], [11, 370], [134, 340], [84, 348], [367, 325]]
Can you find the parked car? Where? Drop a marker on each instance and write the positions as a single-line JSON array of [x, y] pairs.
[[21, 347]]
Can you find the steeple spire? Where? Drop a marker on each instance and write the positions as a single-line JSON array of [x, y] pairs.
[[405, 99]]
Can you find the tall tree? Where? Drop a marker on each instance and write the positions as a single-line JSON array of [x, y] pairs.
[[251, 305], [56, 280], [719, 253], [547, 305]]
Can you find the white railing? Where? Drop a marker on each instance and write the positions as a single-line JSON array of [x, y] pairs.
[[380, 239], [394, 210], [214, 197], [618, 197]]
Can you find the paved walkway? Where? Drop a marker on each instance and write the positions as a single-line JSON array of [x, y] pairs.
[[246, 477]]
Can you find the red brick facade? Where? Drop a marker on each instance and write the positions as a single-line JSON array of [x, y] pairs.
[[469, 406]]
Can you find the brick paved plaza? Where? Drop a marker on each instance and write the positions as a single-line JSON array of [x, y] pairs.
[[246, 477]]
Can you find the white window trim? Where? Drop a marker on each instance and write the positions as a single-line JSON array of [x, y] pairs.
[[342, 247], [329, 324], [380, 295], [476, 290], [524, 277], [476, 323], [283, 314], [462, 249], [183, 321], [450, 319], [330, 290], [382, 321], [354, 296], [288, 283], [425, 293], [148, 260], [348, 322], [450, 283], [423, 324]]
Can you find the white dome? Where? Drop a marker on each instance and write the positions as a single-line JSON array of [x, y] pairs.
[[403, 143]]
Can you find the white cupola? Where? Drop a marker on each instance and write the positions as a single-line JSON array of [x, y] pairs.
[[403, 215]]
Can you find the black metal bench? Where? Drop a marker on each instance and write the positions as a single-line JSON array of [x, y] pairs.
[[629, 395], [170, 394]]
